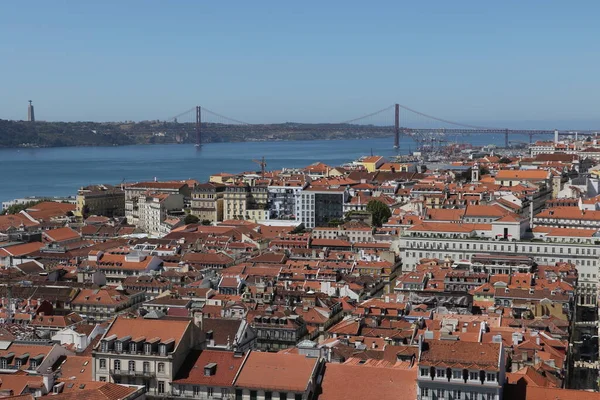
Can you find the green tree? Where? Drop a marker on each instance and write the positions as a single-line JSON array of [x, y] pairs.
[[299, 229], [191, 219], [505, 160], [206, 222], [380, 212], [335, 222]]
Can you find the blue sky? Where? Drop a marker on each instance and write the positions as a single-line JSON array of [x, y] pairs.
[[508, 62]]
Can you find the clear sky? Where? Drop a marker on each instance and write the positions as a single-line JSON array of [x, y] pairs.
[[306, 61]]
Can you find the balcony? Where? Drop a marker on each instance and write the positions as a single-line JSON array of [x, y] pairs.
[[125, 372]]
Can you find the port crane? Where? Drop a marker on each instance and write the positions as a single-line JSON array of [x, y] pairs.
[[263, 165]]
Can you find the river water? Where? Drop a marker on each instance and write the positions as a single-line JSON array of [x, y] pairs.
[[61, 171]]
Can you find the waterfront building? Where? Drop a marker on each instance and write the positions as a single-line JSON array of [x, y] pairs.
[[207, 201], [103, 200]]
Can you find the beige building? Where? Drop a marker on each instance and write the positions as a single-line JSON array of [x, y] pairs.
[[246, 202], [139, 351], [100, 200], [207, 201]]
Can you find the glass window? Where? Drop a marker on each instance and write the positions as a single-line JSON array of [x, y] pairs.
[[161, 367], [102, 363], [117, 365]]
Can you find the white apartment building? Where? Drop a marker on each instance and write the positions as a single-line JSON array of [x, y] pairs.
[[154, 208]]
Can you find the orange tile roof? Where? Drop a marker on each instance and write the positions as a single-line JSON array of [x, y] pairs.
[[77, 367], [276, 371], [569, 213], [343, 381], [522, 174], [227, 368], [61, 234], [21, 249], [466, 354], [149, 328]]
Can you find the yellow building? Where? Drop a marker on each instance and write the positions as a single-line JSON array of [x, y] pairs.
[[242, 201], [207, 201], [103, 200], [371, 163]]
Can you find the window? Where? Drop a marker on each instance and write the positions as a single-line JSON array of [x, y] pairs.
[[102, 379], [104, 346], [131, 366], [424, 391], [119, 346], [268, 395], [457, 374], [146, 367], [117, 365], [3, 363], [18, 363], [103, 363], [148, 348], [33, 364], [238, 394], [132, 347], [162, 350], [196, 390], [491, 377], [441, 393], [282, 396], [161, 367], [225, 392], [209, 391], [161, 387], [253, 395], [457, 395], [473, 376], [440, 372], [424, 371]]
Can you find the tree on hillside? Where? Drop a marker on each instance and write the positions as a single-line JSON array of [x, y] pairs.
[[380, 212], [191, 219]]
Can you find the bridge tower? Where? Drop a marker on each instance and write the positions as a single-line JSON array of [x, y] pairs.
[[198, 122], [397, 127], [506, 138]]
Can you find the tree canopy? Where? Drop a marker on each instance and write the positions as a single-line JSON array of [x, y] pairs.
[[191, 219], [380, 212]]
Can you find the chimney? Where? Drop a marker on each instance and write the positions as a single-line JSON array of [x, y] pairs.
[[48, 380]]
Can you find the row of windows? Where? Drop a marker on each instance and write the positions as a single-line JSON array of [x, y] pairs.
[[131, 366], [458, 374], [456, 394], [530, 249]]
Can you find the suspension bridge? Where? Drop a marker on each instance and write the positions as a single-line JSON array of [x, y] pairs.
[[395, 120]]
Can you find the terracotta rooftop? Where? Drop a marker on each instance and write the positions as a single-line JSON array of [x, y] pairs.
[[461, 354], [341, 382], [192, 371], [277, 372]]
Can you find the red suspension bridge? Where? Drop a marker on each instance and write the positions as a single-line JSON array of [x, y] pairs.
[[395, 120]]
